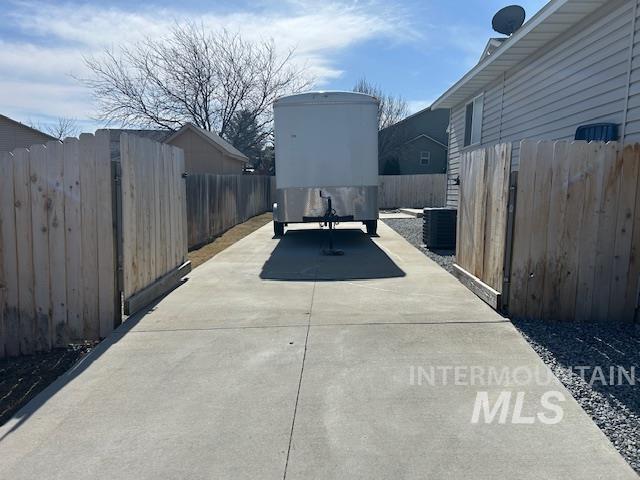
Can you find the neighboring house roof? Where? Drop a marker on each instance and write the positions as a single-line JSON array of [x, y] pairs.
[[407, 118], [429, 122], [156, 135], [555, 18], [212, 138], [411, 140], [22, 125]]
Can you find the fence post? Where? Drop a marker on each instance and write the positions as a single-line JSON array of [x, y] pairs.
[[116, 189], [508, 250]]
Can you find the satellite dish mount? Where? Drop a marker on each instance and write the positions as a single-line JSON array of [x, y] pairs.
[[508, 20]]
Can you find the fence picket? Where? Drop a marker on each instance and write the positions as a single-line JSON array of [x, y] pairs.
[[57, 251], [588, 238], [558, 198], [606, 230], [26, 299], [40, 238], [128, 182], [520, 265], [8, 237], [539, 218], [88, 212], [571, 228], [108, 314], [73, 238]]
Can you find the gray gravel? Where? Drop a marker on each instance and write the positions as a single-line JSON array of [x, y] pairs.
[[564, 347], [411, 229], [615, 408]]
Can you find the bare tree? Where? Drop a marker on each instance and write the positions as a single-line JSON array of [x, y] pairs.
[[392, 109], [63, 127], [192, 76]]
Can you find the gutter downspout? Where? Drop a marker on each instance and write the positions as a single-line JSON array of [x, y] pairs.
[[629, 68]]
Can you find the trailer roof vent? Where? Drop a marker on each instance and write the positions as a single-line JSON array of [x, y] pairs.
[[598, 132]]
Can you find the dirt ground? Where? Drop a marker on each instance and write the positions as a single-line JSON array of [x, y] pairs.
[[231, 236], [22, 378]]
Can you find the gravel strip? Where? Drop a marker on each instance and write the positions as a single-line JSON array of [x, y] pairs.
[[411, 230], [613, 405], [566, 347]]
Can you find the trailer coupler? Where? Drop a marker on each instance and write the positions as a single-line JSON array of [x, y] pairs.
[[330, 218]]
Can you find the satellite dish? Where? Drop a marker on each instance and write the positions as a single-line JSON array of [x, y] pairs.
[[509, 19]]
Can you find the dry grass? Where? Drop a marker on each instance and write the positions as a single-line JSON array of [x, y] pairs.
[[228, 238]]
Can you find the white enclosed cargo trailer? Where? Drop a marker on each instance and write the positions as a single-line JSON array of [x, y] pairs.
[[326, 146]]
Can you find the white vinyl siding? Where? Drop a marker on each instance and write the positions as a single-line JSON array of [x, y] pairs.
[[456, 140], [492, 113], [579, 78], [632, 132]]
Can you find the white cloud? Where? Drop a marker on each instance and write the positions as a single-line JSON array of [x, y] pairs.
[[37, 79]]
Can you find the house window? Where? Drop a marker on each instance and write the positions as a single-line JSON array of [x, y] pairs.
[[473, 121], [425, 158]]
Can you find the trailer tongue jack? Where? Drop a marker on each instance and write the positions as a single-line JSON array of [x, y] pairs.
[[329, 219]]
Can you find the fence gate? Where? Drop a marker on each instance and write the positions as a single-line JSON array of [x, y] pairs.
[[57, 266], [572, 248], [154, 220], [482, 221]]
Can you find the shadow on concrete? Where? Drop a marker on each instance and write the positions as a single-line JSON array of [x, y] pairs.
[[299, 257], [74, 372]]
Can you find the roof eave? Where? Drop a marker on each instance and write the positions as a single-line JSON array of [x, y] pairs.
[[35, 130], [196, 130], [449, 99]]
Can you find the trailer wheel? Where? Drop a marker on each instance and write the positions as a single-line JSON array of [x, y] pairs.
[[372, 226], [278, 229]]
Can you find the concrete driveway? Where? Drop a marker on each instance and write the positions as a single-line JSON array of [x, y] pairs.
[[274, 362]]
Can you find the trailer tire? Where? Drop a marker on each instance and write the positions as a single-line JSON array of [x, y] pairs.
[[278, 229], [372, 227]]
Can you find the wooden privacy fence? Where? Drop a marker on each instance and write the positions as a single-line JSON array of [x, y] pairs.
[[576, 236], [65, 235], [57, 244], [154, 219], [412, 191], [482, 217], [573, 250], [216, 203]]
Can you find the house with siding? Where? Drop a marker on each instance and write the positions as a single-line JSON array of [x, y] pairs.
[[415, 145], [14, 135], [204, 151], [575, 63]]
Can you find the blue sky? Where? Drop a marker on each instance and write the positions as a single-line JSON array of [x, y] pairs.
[[415, 49]]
